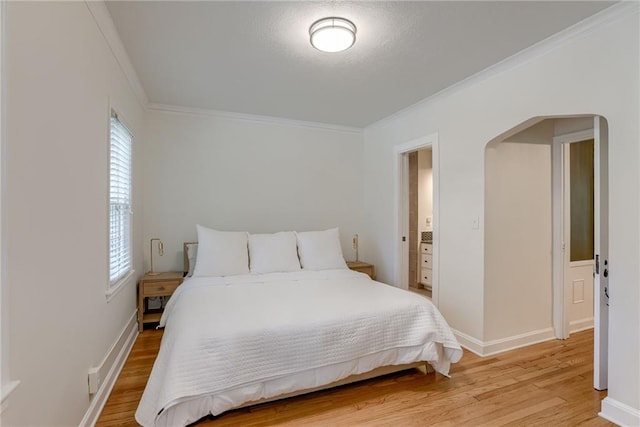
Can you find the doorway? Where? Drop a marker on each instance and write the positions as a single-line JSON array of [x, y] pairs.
[[525, 216], [563, 269], [416, 166], [578, 230], [421, 221]]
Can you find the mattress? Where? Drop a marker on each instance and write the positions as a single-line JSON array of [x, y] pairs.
[[232, 340]]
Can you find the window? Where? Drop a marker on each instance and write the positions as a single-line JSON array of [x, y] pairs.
[[581, 194], [119, 201]]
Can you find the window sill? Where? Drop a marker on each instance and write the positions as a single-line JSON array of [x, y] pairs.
[[7, 389], [119, 286]]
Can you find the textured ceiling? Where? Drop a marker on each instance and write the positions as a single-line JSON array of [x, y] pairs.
[[255, 57]]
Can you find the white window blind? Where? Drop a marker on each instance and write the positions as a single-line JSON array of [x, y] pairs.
[[119, 201]]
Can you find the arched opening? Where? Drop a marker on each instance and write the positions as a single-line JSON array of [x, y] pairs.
[[546, 233]]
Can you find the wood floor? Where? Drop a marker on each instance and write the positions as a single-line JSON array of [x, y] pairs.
[[548, 384]]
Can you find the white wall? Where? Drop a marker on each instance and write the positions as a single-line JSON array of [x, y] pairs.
[[517, 245], [234, 174], [596, 72], [61, 81]]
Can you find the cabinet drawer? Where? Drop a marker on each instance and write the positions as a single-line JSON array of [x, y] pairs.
[[156, 289], [427, 261], [426, 248], [425, 276]]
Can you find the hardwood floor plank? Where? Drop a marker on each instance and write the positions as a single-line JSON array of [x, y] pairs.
[[547, 384], [517, 416]]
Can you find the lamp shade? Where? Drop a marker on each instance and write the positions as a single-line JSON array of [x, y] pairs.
[[332, 34]]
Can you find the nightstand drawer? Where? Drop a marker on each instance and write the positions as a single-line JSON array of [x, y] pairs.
[[158, 289]]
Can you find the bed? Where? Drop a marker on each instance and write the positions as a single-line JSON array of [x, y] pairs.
[[237, 339]]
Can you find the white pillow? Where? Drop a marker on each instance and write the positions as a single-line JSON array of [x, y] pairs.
[[270, 253], [192, 253], [320, 250], [221, 253]]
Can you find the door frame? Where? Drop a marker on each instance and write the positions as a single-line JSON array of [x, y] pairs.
[[601, 251], [401, 211], [560, 245], [600, 134]]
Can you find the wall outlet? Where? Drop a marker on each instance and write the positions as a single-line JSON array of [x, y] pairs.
[[94, 380]]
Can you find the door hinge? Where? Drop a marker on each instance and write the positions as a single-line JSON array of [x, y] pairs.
[[597, 264], [404, 238]]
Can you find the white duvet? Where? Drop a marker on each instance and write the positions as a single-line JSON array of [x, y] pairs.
[[229, 340]]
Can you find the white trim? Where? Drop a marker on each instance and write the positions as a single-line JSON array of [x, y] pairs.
[[470, 343], [253, 118], [560, 250], [6, 385], [601, 249], [416, 144], [115, 289], [401, 264], [435, 222], [517, 341], [102, 17], [113, 361], [7, 389], [581, 325], [493, 347], [401, 174], [607, 16], [619, 413], [572, 137]]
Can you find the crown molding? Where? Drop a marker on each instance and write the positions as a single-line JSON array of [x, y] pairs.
[[581, 29], [103, 20], [253, 118], [102, 17]]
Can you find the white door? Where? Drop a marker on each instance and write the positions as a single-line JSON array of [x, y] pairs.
[[601, 251]]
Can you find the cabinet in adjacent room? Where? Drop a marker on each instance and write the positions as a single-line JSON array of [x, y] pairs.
[[426, 264]]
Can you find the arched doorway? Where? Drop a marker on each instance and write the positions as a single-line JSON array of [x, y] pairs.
[[528, 257]]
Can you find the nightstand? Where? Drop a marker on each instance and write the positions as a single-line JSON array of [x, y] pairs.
[[363, 267], [155, 285]]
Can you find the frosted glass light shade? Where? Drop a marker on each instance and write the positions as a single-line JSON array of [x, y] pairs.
[[332, 34]]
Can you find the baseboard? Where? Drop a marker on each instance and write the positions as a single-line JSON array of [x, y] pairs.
[[472, 344], [619, 413], [580, 325], [112, 365], [517, 341], [489, 348]]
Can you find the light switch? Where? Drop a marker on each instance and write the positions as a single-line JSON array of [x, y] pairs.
[[475, 223], [429, 220]]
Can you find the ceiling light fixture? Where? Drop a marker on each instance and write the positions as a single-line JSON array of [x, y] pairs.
[[332, 34]]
